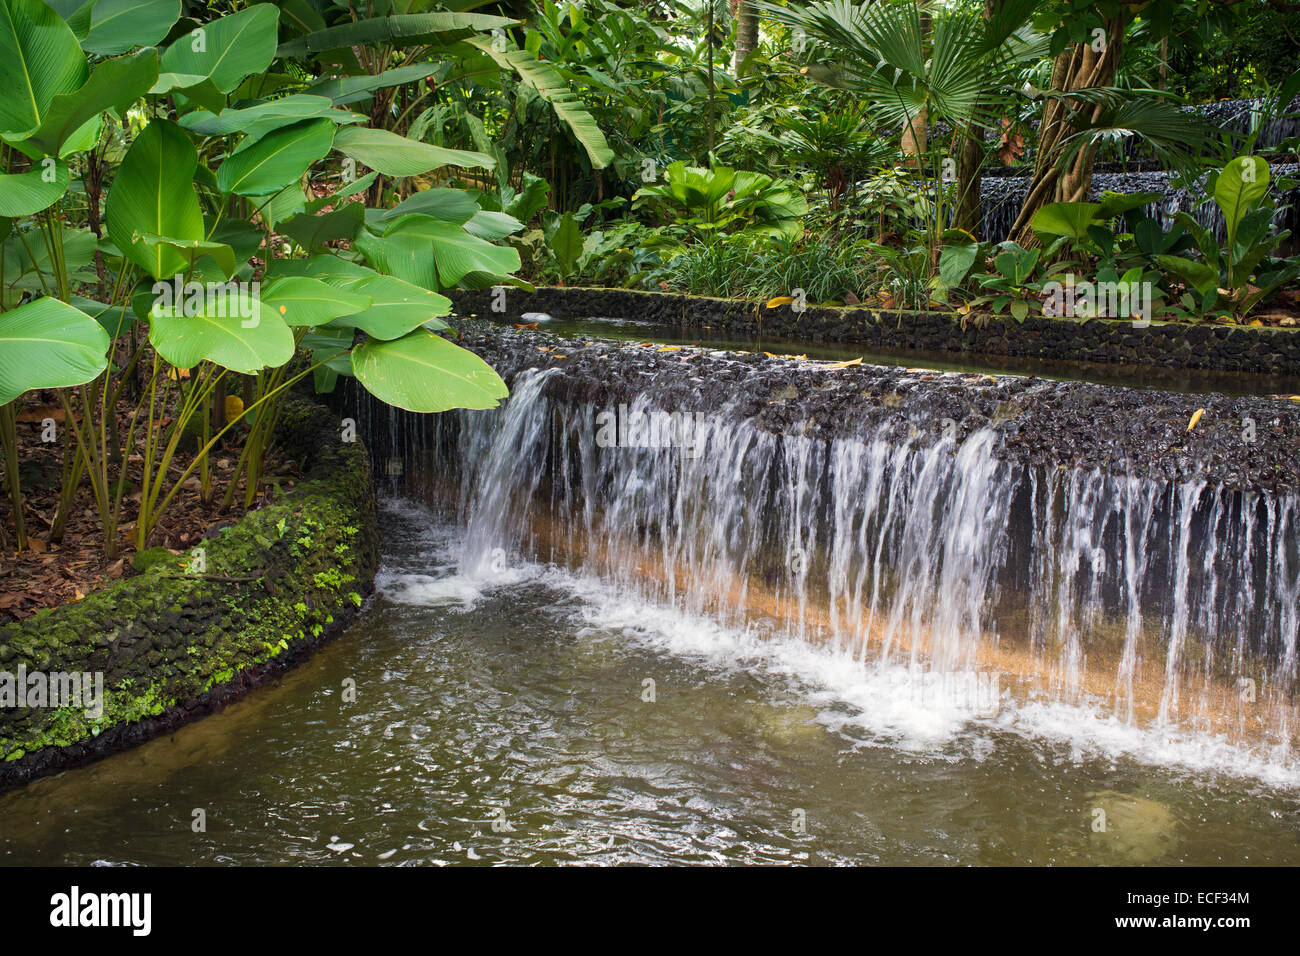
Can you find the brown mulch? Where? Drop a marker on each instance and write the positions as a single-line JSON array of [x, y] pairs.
[[51, 573]]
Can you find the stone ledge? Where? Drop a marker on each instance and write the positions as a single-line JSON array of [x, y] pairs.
[[1173, 345]]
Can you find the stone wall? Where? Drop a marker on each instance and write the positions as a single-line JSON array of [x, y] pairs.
[[171, 645], [1202, 346]]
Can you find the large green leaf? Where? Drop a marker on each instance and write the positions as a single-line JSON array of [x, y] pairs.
[[1201, 276], [193, 250], [422, 372], [340, 273], [116, 319], [276, 160], [397, 308], [48, 344], [411, 29], [232, 331], [395, 155], [349, 89], [115, 83], [1240, 186], [39, 59], [493, 226], [552, 87], [312, 232], [1066, 219], [256, 121], [434, 254], [120, 25], [301, 300], [449, 205], [153, 194], [23, 194], [227, 50]]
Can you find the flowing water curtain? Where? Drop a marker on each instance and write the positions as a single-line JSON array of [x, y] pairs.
[[921, 553]]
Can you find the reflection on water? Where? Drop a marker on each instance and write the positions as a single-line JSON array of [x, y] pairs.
[[538, 717]]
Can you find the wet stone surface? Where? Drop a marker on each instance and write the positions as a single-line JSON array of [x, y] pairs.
[[1240, 443]]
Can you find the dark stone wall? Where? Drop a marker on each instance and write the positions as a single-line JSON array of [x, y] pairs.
[[174, 646], [1222, 347]]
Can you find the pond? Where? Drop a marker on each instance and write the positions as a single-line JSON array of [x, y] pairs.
[[508, 719]]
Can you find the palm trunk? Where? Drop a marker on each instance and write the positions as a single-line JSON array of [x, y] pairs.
[[746, 33], [1077, 67]]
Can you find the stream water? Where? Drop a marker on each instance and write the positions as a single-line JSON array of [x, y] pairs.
[[520, 695]]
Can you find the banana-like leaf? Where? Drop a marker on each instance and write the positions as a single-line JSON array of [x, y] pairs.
[[551, 86], [228, 49], [303, 301], [422, 372], [23, 194], [312, 232], [447, 205], [116, 319], [115, 83], [434, 254], [396, 308], [350, 89], [193, 250], [153, 194], [276, 160], [231, 330], [1239, 188], [48, 344], [258, 120], [410, 29], [1070, 219], [493, 226], [120, 25], [395, 155], [39, 59]]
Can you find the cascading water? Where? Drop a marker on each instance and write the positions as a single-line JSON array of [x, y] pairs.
[[1173, 605]]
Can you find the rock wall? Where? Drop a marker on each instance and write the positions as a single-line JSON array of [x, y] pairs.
[[172, 646], [1223, 347]]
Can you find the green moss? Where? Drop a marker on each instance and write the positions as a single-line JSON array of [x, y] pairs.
[[206, 632]]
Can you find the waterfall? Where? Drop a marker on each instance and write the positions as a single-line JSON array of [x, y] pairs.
[[1165, 599]]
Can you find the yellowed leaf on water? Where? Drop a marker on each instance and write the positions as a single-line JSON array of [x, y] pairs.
[[1196, 417], [670, 348]]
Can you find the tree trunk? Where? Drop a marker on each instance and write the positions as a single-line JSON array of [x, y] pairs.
[[746, 33], [1077, 67], [914, 136], [970, 164]]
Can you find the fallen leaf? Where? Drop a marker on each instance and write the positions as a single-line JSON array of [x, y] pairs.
[[1196, 417]]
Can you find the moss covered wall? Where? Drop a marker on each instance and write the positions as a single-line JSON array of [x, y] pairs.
[[172, 645], [1173, 345]]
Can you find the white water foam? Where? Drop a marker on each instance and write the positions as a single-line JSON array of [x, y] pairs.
[[873, 704]]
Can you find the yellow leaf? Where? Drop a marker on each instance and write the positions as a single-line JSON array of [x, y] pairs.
[[1196, 417], [670, 348], [779, 301], [850, 362]]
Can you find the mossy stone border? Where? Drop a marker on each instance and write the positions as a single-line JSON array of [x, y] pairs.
[[1236, 348], [173, 646]]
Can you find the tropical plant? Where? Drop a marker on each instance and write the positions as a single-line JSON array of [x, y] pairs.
[[721, 200]]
